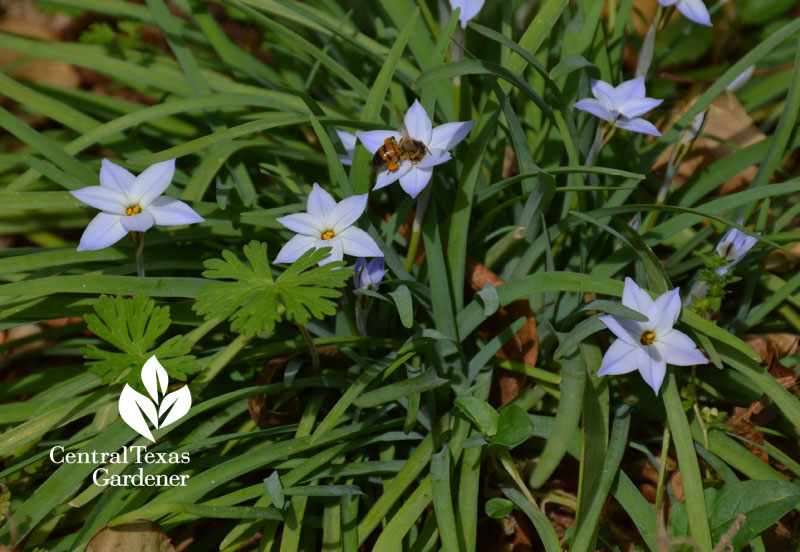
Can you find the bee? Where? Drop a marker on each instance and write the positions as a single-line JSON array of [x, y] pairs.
[[392, 152]]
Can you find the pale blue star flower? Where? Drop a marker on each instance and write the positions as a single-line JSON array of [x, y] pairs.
[[621, 106], [368, 274], [693, 10], [469, 9], [327, 223], [648, 346], [414, 177], [131, 204]]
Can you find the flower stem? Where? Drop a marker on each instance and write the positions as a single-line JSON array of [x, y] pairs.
[[457, 50], [603, 136], [508, 464], [416, 230], [363, 304], [311, 348], [662, 470], [138, 237]]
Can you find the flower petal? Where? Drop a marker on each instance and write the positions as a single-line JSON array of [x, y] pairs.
[[696, 11], [168, 211], [436, 157], [103, 230], [418, 123], [636, 298], [100, 197], [678, 348], [376, 270], [651, 366], [595, 107], [358, 243], [303, 223], [666, 310], [320, 203], [138, 223], [639, 106], [348, 141], [639, 125], [294, 248], [151, 183], [630, 90], [606, 94], [347, 212], [449, 135], [620, 358], [115, 177], [629, 331], [741, 80], [416, 180], [389, 177], [360, 275], [336, 246], [374, 139], [469, 9]]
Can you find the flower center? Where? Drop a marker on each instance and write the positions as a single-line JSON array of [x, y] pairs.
[[647, 337], [328, 234], [135, 210]]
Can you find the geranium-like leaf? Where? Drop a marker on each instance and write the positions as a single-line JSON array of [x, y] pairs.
[[153, 377], [132, 326], [254, 302], [131, 405], [180, 401]]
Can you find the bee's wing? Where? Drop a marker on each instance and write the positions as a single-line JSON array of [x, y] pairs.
[[403, 129]]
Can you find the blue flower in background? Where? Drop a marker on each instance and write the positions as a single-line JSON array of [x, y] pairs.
[[368, 274], [734, 245], [694, 10], [621, 106]]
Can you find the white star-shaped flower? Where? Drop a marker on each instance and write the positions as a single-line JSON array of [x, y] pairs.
[[469, 9], [327, 223], [694, 10], [621, 106], [415, 176], [349, 143], [648, 346], [131, 204]]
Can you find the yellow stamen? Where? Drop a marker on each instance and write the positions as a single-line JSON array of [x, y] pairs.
[[327, 235], [135, 210], [647, 337]]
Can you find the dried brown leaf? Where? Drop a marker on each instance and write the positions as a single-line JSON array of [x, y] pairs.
[[141, 535], [773, 346], [727, 122], [523, 347], [24, 20]]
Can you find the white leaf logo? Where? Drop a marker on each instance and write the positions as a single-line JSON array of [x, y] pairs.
[[172, 408]]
